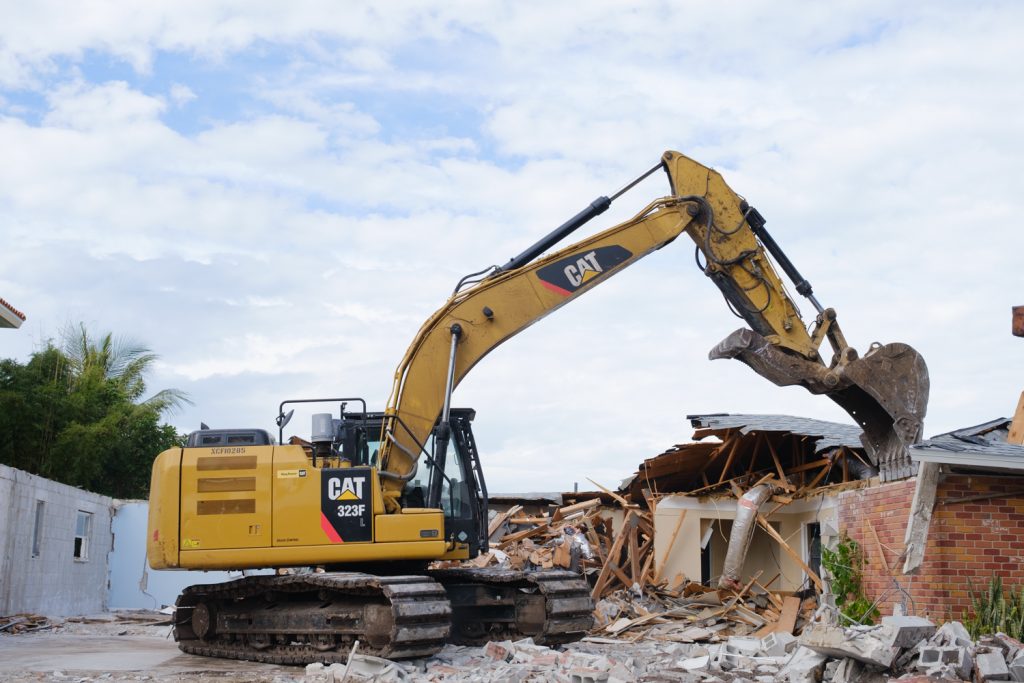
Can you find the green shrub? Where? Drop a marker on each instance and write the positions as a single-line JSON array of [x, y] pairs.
[[845, 565], [996, 610]]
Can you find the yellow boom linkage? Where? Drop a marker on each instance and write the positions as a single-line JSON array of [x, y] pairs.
[[886, 392]]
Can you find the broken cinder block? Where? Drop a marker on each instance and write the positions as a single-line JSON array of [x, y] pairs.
[[587, 676], [991, 666], [870, 646], [852, 671], [953, 633], [1017, 668], [909, 631], [805, 666], [778, 644], [957, 659]]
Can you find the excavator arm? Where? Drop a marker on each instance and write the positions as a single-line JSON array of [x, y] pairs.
[[886, 392]]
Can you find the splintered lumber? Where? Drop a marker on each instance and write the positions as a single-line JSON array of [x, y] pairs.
[[878, 546], [561, 557], [562, 513], [1016, 435], [502, 518], [528, 520], [728, 460], [789, 551], [520, 535], [619, 499], [634, 555], [784, 622], [787, 620], [611, 561], [775, 459]]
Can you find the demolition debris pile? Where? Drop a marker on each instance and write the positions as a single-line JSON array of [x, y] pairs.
[[901, 648]]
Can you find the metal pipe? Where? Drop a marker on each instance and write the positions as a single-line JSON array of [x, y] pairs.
[[596, 208], [742, 532], [756, 222], [456, 331], [408, 476], [444, 429]]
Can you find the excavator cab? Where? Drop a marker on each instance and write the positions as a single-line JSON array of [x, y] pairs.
[[454, 482], [463, 491], [450, 477]]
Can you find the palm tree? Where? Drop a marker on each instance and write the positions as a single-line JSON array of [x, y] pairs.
[[119, 361]]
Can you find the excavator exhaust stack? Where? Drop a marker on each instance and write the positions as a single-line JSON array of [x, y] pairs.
[[885, 392]]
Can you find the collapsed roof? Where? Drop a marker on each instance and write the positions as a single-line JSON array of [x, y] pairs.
[[743, 449]]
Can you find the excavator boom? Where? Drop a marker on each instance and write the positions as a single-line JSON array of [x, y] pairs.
[[885, 391]]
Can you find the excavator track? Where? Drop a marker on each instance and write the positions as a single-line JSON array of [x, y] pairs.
[[305, 618], [551, 607]]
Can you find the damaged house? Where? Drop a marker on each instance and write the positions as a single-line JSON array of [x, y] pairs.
[[754, 494], [750, 502]]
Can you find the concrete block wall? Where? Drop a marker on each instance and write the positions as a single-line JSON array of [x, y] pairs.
[[968, 542], [53, 583]]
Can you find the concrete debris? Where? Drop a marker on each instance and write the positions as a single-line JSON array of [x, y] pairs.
[[865, 644], [651, 654], [908, 631], [778, 644], [805, 666], [953, 633], [946, 661], [991, 666], [1017, 668], [852, 671]]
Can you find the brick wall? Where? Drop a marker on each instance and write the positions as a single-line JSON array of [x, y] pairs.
[[968, 542]]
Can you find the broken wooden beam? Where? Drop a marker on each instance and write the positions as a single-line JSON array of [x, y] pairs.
[[789, 551]]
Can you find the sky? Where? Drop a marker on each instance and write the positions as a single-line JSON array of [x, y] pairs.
[[274, 196]]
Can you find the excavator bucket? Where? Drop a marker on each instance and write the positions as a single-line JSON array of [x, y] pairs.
[[885, 392]]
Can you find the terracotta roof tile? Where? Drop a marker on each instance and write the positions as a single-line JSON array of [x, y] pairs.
[[12, 309]]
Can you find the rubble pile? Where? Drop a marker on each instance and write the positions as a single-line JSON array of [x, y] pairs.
[[580, 537], [901, 648], [524, 661], [696, 613], [24, 623], [564, 537]]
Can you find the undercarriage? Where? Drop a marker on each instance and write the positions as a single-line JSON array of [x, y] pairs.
[[298, 619]]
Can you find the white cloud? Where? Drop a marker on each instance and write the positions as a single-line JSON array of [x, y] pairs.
[[181, 94]]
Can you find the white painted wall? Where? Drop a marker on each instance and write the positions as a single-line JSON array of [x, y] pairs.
[[54, 583], [683, 556]]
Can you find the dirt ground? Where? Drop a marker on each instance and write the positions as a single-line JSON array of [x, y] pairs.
[[109, 648]]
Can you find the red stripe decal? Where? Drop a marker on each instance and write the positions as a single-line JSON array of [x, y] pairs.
[[325, 524], [555, 288]]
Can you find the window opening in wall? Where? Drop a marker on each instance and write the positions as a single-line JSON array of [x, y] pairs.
[[814, 547], [83, 527], [37, 530]]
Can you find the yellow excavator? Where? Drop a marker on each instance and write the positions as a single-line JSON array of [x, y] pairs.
[[373, 497]]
